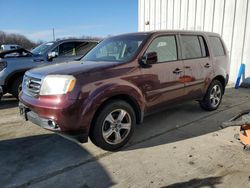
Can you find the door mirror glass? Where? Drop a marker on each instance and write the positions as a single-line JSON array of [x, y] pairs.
[[52, 55]]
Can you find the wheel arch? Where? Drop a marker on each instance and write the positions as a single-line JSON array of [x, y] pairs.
[[10, 79], [222, 81], [125, 97]]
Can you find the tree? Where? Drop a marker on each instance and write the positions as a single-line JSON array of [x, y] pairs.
[[11, 38]]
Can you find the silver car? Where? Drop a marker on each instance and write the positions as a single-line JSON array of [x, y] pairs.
[[13, 67]]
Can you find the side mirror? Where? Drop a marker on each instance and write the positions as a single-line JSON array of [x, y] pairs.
[[52, 55], [149, 58]]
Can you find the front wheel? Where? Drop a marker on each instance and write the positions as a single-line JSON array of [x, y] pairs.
[[113, 126], [213, 97], [16, 87]]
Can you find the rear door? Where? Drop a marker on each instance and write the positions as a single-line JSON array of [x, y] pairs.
[[161, 83], [198, 69]]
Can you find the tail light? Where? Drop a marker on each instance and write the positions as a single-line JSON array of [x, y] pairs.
[[3, 65]]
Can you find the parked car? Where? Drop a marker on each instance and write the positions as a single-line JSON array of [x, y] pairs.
[[5, 47], [14, 63], [123, 79]]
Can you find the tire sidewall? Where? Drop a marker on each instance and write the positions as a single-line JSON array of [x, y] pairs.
[[15, 87], [207, 97], [96, 133]]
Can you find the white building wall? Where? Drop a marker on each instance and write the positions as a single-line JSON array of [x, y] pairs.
[[229, 18]]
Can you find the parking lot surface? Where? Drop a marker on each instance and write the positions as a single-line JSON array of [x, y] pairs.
[[182, 146]]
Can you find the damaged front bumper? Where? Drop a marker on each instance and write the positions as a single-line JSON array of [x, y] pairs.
[[49, 124]]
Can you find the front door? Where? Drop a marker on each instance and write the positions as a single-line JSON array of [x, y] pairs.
[[162, 80]]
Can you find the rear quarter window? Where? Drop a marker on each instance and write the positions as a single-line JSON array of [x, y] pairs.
[[217, 46]]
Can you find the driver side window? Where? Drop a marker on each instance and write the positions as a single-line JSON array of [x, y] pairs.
[[67, 49], [165, 47], [56, 49]]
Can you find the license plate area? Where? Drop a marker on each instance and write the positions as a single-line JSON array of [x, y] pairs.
[[23, 111]]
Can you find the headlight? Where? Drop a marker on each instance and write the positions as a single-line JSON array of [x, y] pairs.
[[57, 84], [3, 65]]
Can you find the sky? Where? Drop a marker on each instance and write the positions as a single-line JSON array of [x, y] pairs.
[[70, 18]]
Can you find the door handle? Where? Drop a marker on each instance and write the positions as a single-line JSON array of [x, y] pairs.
[[177, 71], [207, 65]]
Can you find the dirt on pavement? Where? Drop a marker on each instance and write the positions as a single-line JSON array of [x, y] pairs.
[[182, 146]]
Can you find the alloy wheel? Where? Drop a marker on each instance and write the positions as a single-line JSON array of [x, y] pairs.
[[116, 126], [215, 95]]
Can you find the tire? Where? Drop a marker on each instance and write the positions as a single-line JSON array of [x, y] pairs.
[[16, 86], [116, 120], [213, 96]]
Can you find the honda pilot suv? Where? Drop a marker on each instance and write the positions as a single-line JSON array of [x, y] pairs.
[[123, 79]]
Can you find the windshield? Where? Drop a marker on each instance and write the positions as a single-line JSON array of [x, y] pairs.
[[121, 48], [41, 49]]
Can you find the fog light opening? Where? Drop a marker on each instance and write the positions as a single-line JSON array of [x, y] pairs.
[[52, 124]]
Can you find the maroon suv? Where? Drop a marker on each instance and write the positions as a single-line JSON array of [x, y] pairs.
[[123, 79]]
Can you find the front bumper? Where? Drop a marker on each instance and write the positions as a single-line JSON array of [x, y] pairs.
[[50, 124]]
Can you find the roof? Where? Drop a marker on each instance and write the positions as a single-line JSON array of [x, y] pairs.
[[172, 31], [76, 40]]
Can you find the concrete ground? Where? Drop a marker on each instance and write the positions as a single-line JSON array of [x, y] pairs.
[[180, 147]]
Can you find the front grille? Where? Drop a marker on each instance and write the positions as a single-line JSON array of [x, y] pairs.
[[31, 86]]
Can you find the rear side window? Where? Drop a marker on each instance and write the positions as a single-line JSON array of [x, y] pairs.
[[193, 47], [203, 45], [165, 47], [217, 46]]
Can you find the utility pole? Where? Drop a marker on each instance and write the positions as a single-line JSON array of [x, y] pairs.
[[53, 34]]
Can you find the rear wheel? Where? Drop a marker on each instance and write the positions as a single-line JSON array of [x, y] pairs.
[[16, 87], [213, 97], [113, 126]]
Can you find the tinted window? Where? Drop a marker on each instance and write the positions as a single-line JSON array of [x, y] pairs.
[[83, 48], [191, 47], [203, 46], [165, 47], [216, 46], [67, 49]]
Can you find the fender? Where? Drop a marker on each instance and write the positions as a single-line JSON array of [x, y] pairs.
[[21, 71], [105, 92]]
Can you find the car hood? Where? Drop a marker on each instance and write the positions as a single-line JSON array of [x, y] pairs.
[[18, 52], [70, 68]]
